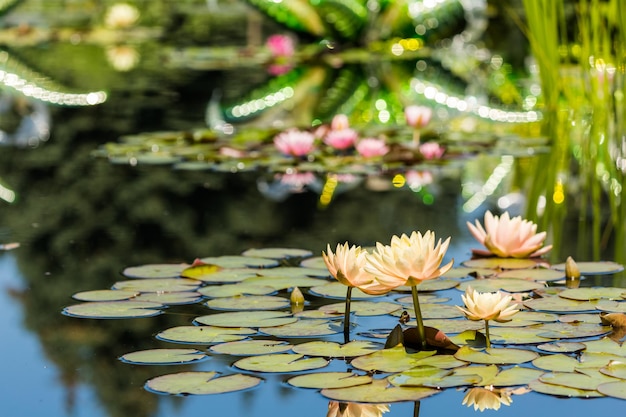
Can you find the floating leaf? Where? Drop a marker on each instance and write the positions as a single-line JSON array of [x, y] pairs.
[[280, 362], [104, 295], [395, 359], [198, 383], [302, 328], [611, 306], [562, 391], [207, 274], [378, 391], [501, 284], [561, 347], [316, 262], [560, 305], [418, 376], [500, 263], [154, 271], [571, 330], [252, 347], [615, 369], [594, 268], [158, 285], [605, 345], [556, 363], [204, 334], [595, 293], [615, 389], [281, 283], [517, 335], [240, 262], [501, 356], [230, 290], [338, 290], [535, 274], [588, 381], [462, 272], [170, 298], [277, 253], [492, 375], [363, 308], [432, 285], [450, 326], [114, 309], [424, 298], [246, 319], [321, 380], [163, 356], [249, 302], [294, 272], [588, 318], [336, 350]]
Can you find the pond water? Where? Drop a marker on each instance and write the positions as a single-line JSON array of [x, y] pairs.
[[80, 220]]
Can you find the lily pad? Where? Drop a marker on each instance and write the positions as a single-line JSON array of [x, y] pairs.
[[252, 347], [517, 335], [450, 326], [249, 302], [158, 285], [500, 356], [378, 391], [363, 308], [615, 369], [589, 381], [561, 391], [571, 330], [336, 350], [418, 376], [280, 362], [230, 290], [595, 268], [246, 319], [295, 271], [277, 253], [199, 383], [463, 272], [338, 290], [431, 285], [554, 304], [240, 261], [605, 345], [163, 356], [302, 328], [316, 262], [281, 283], [170, 298], [114, 309], [204, 334], [104, 295], [500, 263], [615, 389], [535, 274], [595, 293], [561, 347], [321, 380], [556, 363], [154, 271], [504, 284], [611, 306], [492, 375], [208, 274], [394, 359]]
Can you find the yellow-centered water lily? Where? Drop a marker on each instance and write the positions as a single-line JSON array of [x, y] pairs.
[[341, 409], [487, 305], [509, 237], [486, 399], [347, 265]]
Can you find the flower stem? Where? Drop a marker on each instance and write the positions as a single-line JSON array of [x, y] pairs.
[[346, 317], [416, 137], [487, 334], [418, 317]]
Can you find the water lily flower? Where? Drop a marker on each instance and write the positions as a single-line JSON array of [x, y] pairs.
[[409, 260], [347, 266], [341, 139], [431, 150], [417, 117], [509, 237], [487, 306], [486, 399], [340, 122], [280, 45], [294, 142], [342, 409], [121, 15], [371, 147]]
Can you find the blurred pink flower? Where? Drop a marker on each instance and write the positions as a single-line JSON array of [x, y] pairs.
[[418, 179], [278, 69], [417, 116], [371, 147], [297, 180], [431, 150], [294, 142], [340, 122], [280, 45], [341, 139]]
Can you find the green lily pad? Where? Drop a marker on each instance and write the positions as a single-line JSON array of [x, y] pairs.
[[517, 335], [500, 263], [338, 290], [231, 290], [407, 300], [302, 328], [571, 330], [611, 306], [561, 347], [394, 359], [204, 334], [378, 391], [316, 262], [158, 285], [249, 302], [504, 284], [463, 272], [199, 383], [208, 274], [336, 350], [363, 308], [154, 271], [321, 380], [280, 362], [554, 304], [556, 363], [596, 293], [450, 326], [561, 391], [114, 309], [281, 283], [615, 389], [537, 316], [615, 369], [535, 274], [163, 356], [252, 347], [295, 272], [500, 356], [246, 319], [594, 268], [277, 253], [431, 285], [240, 261], [492, 375], [418, 376], [577, 380], [605, 345], [104, 295], [170, 298], [588, 318]]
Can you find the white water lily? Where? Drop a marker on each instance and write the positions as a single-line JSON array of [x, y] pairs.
[[487, 305]]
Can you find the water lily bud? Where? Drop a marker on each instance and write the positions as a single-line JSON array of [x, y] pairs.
[[571, 269], [296, 296]]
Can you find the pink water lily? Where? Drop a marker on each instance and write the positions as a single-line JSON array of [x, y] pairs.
[[341, 139], [417, 116], [280, 45], [431, 150], [294, 142], [371, 147], [508, 237], [340, 121]]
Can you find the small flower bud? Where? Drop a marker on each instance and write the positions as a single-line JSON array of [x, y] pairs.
[[571, 269], [296, 296]]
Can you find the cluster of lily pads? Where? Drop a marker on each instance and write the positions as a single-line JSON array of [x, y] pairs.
[[548, 335]]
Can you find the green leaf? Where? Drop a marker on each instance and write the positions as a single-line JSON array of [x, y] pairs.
[[616, 369], [615, 389], [501, 284], [163, 356], [556, 363], [577, 380], [277, 253], [209, 274], [338, 290], [239, 262], [198, 383], [158, 285], [449, 326], [571, 330], [321, 380], [337, 350], [283, 282], [395, 359], [280, 362], [302, 328], [363, 308], [502, 356], [246, 319], [594, 268], [535, 274], [204, 334], [170, 298], [561, 347], [249, 302], [561, 391], [378, 391], [500, 263], [104, 295], [596, 293], [605, 345], [418, 376], [554, 304], [154, 271], [252, 347], [230, 290], [114, 309]]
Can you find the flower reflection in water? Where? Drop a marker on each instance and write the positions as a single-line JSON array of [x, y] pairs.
[[341, 409], [486, 398]]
